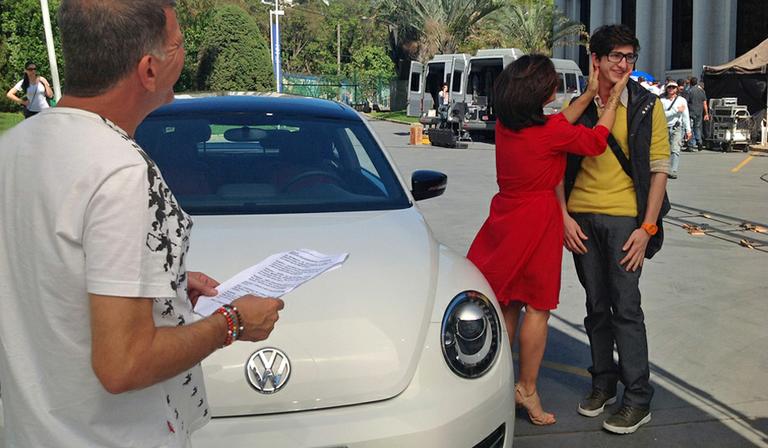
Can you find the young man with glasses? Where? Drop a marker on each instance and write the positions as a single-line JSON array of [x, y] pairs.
[[612, 222]]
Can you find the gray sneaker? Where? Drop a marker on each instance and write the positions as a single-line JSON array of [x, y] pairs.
[[595, 403], [627, 420]]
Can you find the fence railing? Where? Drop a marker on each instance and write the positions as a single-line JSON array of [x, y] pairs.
[[375, 92]]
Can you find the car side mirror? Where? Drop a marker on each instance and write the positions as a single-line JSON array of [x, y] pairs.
[[427, 184]]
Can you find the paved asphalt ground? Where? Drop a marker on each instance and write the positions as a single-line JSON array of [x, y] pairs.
[[705, 300]]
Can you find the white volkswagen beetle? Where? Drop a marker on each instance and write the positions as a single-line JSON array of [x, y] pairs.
[[403, 346]]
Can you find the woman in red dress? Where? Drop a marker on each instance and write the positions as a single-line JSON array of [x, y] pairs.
[[519, 249]]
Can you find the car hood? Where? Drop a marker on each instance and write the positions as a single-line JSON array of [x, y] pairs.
[[352, 335]]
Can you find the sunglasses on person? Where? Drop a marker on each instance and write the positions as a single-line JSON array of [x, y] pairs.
[[32, 68], [617, 56]]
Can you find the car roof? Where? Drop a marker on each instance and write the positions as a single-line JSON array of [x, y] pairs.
[[256, 103]]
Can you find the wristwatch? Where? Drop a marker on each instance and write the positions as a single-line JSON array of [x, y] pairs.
[[650, 228]]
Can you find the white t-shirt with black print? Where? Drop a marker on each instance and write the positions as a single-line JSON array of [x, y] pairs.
[[84, 210]]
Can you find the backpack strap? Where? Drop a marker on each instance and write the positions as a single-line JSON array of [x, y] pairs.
[[673, 102], [622, 158]]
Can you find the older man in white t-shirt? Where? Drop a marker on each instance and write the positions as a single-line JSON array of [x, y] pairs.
[[98, 344]]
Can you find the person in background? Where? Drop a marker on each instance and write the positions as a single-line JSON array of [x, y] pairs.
[[36, 90], [678, 122], [99, 344], [443, 96], [612, 213], [519, 248], [682, 88], [699, 112], [444, 101]]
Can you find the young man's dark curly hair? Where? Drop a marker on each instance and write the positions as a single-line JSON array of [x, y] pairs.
[[608, 37]]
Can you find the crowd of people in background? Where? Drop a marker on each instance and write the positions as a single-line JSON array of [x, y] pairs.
[[686, 109]]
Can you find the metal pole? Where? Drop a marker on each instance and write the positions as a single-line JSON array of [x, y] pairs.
[[51, 50], [278, 65], [338, 48], [271, 40], [764, 124]]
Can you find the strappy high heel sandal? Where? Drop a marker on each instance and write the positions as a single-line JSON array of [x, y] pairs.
[[532, 405]]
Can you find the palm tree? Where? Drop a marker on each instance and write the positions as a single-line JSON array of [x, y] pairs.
[[436, 26], [537, 27]]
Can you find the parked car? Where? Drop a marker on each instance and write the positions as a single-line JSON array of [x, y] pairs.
[[403, 346]]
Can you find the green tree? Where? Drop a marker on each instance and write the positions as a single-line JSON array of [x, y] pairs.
[[537, 27], [438, 26], [372, 68], [309, 34], [234, 55], [194, 16], [305, 41]]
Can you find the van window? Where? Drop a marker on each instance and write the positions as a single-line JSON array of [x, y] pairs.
[[434, 81], [482, 74], [415, 81], [456, 81], [571, 85], [560, 83]]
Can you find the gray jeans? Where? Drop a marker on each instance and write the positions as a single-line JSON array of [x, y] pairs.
[[697, 138], [614, 315], [675, 146]]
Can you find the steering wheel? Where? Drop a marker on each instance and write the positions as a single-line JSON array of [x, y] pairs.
[[335, 178]]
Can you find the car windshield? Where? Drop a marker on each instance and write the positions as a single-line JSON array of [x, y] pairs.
[[262, 164]]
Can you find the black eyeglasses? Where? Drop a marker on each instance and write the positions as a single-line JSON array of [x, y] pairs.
[[616, 57], [32, 68]]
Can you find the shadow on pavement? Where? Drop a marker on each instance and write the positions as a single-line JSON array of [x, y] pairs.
[[683, 415]]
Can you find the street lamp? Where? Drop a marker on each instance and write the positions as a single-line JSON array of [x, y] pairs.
[[274, 38]]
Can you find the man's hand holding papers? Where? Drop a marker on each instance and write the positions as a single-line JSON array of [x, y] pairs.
[[275, 276]]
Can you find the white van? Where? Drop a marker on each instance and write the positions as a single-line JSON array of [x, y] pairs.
[[483, 70], [425, 82], [571, 84]]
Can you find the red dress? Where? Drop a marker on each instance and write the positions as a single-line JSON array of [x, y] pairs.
[[519, 249]]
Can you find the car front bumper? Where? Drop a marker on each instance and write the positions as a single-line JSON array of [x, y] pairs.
[[436, 409]]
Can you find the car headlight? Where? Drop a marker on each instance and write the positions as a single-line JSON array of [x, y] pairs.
[[470, 334]]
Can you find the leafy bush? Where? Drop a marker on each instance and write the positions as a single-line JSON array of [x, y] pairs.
[[233, 54]]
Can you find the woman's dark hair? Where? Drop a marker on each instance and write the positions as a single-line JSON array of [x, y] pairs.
[[521, 90], [25, 82], [608, 37]]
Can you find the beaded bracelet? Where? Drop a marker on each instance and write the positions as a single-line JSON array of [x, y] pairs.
[[239, 318], [233, 324]]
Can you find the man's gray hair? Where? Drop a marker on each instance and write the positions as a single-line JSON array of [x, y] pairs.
[[103, 40]]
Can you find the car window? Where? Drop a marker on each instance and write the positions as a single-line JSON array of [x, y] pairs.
[[362, 156], [258, 164]]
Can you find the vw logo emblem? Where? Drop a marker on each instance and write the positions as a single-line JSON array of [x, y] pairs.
[[267, 370]]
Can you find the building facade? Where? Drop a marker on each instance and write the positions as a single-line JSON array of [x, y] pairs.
[[677, 37]]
